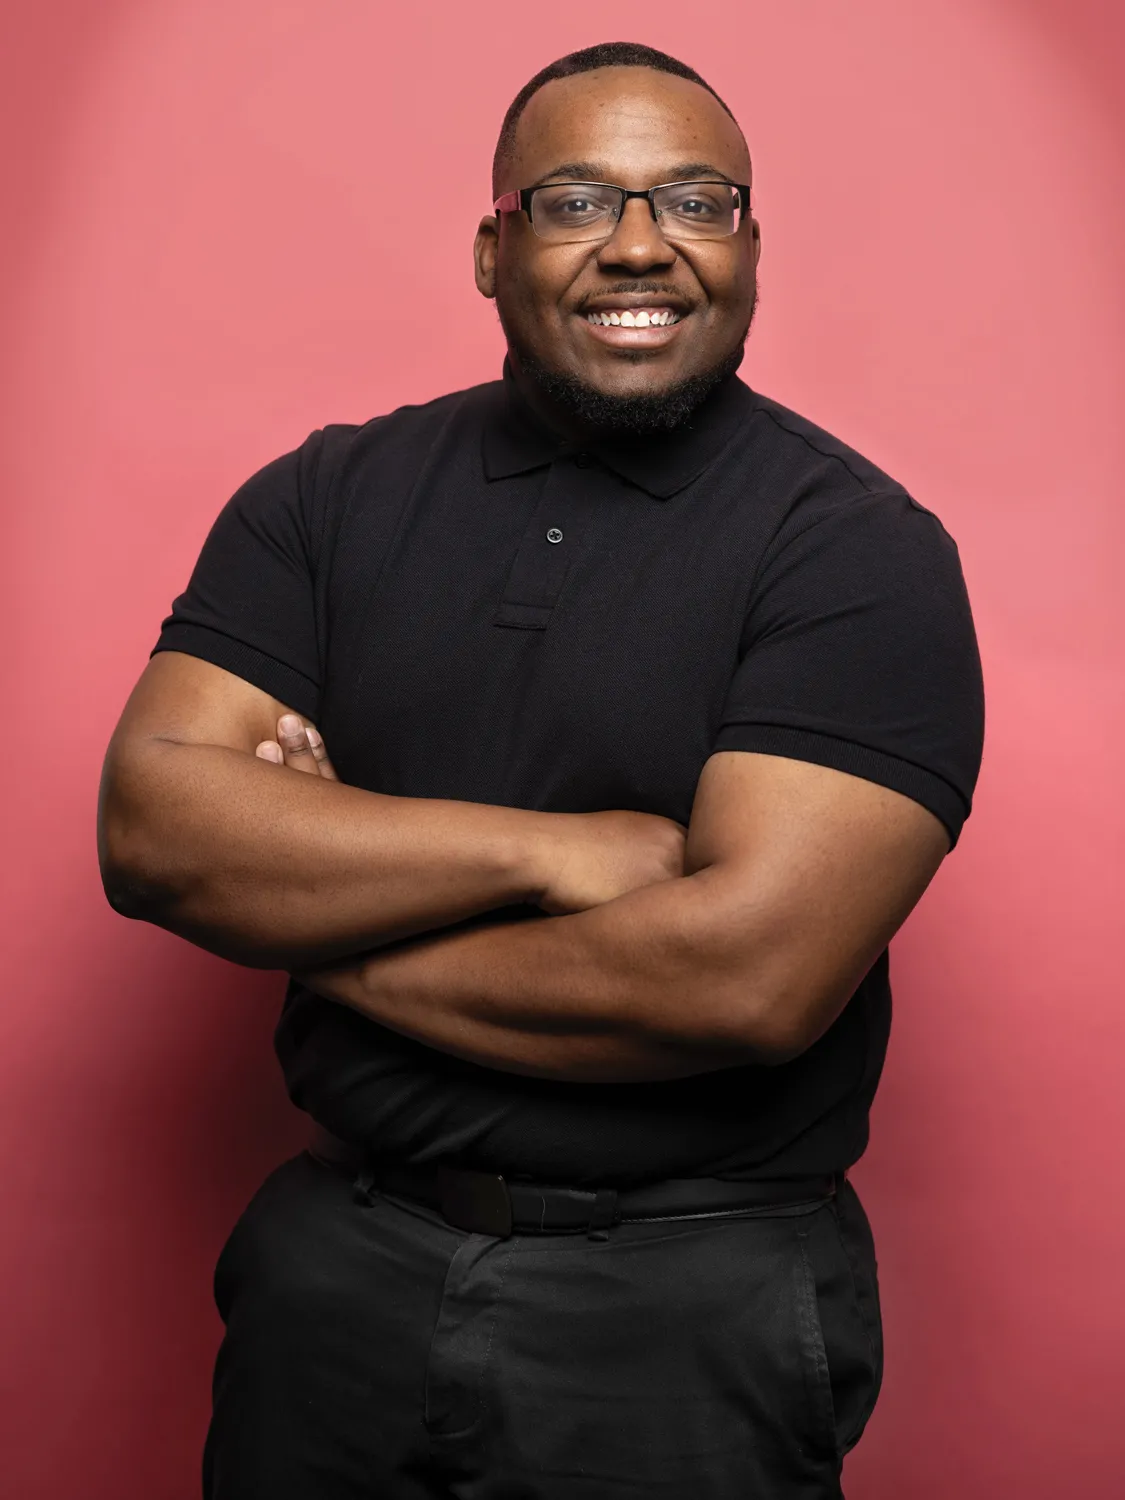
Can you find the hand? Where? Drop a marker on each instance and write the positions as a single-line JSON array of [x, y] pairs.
[[298, 746], [595, 857], [586, 858]]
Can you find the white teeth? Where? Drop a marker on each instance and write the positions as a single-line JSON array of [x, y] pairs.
[[644, 317]]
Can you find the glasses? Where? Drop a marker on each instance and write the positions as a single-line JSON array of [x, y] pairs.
[[568, 212]]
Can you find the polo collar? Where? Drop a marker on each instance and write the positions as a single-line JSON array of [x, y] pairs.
[[515, 441]]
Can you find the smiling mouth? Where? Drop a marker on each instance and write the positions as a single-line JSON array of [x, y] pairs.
[[642, 317], [634, 331]]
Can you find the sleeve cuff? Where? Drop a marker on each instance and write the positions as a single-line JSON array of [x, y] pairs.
[[284, 683], [933, 792]]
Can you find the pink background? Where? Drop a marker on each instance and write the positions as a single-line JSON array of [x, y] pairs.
[[201, 264]]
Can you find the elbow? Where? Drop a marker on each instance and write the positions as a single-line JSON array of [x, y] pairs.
[[143, 877], [131, 898], [771, 999], [136, 889], [130, 891], [776, 1040], [128, 861], [796, 1019], [773, 1029], [148, 876]]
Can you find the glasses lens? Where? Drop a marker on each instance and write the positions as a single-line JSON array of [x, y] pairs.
[[575, 211], [697, 210]]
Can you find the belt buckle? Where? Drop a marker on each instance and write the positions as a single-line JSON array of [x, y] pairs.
[[477, 1202]]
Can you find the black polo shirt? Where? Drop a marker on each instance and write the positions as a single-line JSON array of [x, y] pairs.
[[469, 608]]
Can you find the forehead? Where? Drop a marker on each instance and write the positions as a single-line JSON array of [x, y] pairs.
[[633, 123]]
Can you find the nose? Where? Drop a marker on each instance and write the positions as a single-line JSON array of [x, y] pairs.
[[636, 243]]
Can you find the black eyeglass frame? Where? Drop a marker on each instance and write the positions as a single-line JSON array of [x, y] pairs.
[[519, 200]]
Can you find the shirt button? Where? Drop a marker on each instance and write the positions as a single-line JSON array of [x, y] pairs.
[[554, 535], [583, 460]]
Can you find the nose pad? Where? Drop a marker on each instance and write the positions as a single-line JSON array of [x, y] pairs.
[[648, 245]]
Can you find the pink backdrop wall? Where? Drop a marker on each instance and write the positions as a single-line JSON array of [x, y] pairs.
[[199, 267]]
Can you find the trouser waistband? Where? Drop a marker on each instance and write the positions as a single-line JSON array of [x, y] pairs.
[[488, 1203]]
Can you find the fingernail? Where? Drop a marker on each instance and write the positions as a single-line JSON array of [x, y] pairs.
[[289, 724], [313, 737], [270, 751]]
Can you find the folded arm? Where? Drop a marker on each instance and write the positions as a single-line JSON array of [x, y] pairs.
[[200, 835], [271, 869], [796, 878]]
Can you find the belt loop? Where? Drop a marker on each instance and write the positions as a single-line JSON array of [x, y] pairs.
[[603, 1213]]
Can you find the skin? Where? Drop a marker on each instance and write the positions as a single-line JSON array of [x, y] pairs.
[[636, 128], [731, 962], [198, 835], [658, 956]]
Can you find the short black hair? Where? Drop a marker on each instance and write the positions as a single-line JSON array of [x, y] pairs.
[[604, 55]]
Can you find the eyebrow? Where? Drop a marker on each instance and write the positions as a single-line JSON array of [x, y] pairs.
[[588, 171]]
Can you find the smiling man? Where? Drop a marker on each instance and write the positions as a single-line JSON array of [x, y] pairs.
[[647, 710], [634, 333]]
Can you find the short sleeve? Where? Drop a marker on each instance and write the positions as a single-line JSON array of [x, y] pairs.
[[860, 654], [250, 605]]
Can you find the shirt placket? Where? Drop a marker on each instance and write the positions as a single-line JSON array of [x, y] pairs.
[[546, 551]]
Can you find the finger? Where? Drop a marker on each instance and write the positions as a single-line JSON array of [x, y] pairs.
[[320, 754], [295, 745], [270, 750]]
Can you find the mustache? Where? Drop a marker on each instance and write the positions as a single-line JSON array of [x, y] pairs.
[[644, 288]]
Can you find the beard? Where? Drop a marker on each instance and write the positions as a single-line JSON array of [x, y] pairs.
[[638, 415]]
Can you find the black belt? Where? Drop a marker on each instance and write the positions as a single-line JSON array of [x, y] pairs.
[[486, 1203]]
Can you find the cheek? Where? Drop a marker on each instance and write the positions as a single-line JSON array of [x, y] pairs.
[[727, 281], [521, 300], [535, 282]]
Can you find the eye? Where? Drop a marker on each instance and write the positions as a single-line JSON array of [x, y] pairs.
[[696, 205], [573, 204]]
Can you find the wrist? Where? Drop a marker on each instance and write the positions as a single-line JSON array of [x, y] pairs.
[[534, 854]]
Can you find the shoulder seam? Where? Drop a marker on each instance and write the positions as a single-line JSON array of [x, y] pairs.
[[835, 457], [898, 493]]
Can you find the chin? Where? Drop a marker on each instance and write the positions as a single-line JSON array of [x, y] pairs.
[[640, 402]]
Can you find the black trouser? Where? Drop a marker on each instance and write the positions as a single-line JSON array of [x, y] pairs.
[[374, 1351]]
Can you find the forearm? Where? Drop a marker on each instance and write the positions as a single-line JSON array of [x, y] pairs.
[[279, 870], [641, 988]]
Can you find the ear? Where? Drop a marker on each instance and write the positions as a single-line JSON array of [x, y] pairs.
[[756, 236], [485, 247]]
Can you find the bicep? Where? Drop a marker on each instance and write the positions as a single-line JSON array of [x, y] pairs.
[[184, 700], [178, 702], [812, 872]]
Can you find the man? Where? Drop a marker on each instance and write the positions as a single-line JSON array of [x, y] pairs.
[[653, 710]]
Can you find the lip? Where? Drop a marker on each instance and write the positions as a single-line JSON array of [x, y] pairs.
[[632, 338]]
